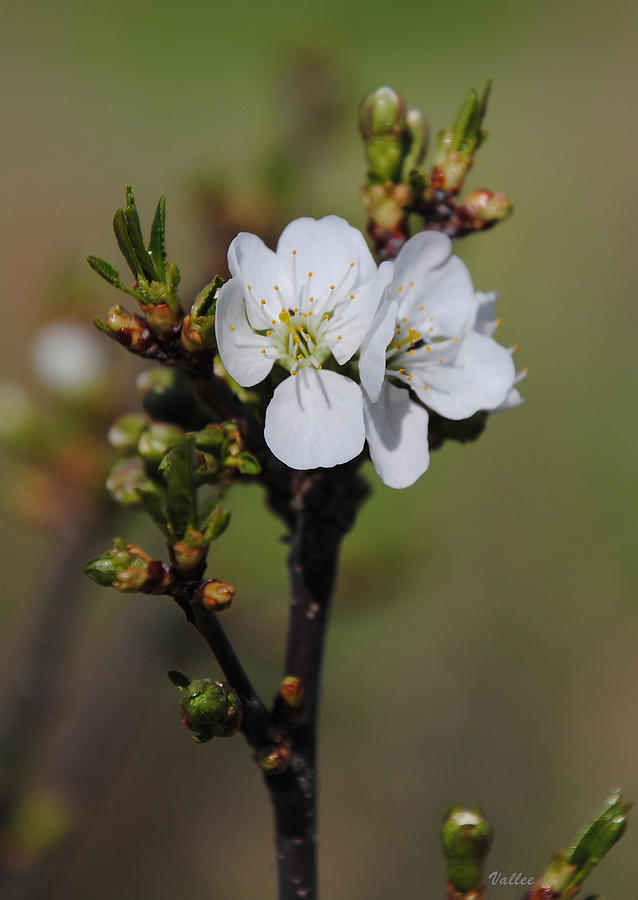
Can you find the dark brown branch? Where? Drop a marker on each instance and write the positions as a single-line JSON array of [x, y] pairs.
[[256, 724], [324, 504]]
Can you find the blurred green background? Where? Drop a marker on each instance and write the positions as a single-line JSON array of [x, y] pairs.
[[483, 643]]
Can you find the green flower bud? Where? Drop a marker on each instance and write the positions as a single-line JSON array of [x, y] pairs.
[[126, 431], [125, 567], [466, 837], [210, 709], [382, 113], [126, 476], [151, 378], [157, 440], [382, 121]]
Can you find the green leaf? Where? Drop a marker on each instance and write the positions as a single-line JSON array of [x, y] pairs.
[[464, 119], [102, 326], [180, 680], [245, 462], [599, 836], [177, 470], [120, 227], [157, 244], [135, 235], [109, 273], [106, 270], [216, 524], [205, 301]]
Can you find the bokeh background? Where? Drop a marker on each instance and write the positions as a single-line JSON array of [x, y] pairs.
[[483, 642]]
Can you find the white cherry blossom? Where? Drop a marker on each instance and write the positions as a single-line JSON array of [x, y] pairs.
[[305, 307], [424, 353]]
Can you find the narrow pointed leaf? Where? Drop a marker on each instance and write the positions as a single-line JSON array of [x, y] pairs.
[[157, 245], [464, 118], [120, 227], [102, 326], [180, 680], [134, 229], [135, 235], [108, 273], [105, 270]]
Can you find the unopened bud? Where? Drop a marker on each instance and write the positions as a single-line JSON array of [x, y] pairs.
[[209, 708], [382, 120], [126, 431], [451, 170], [276, 760], [466, 838], [124, 480], [291, 689], [385, 203], [152, 378], [190, 550], [160, 318], [487, 206], [198, 329], [215, 595], [157, 440], [125, 567], [382, 113], [127, 329]]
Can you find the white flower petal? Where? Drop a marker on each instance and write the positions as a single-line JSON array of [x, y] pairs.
[[315, 418], [480, 377], [512, 400], [326, 248], [486, 321], [262, 277], [397, 435], [433, 282], [239, 347], [352, 321], [372, 358]]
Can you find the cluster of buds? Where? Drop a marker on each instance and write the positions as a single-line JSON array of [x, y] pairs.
[[160, 331], [129, 569], [208, 708], [395, 141], [161, 468], [466, 837]]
